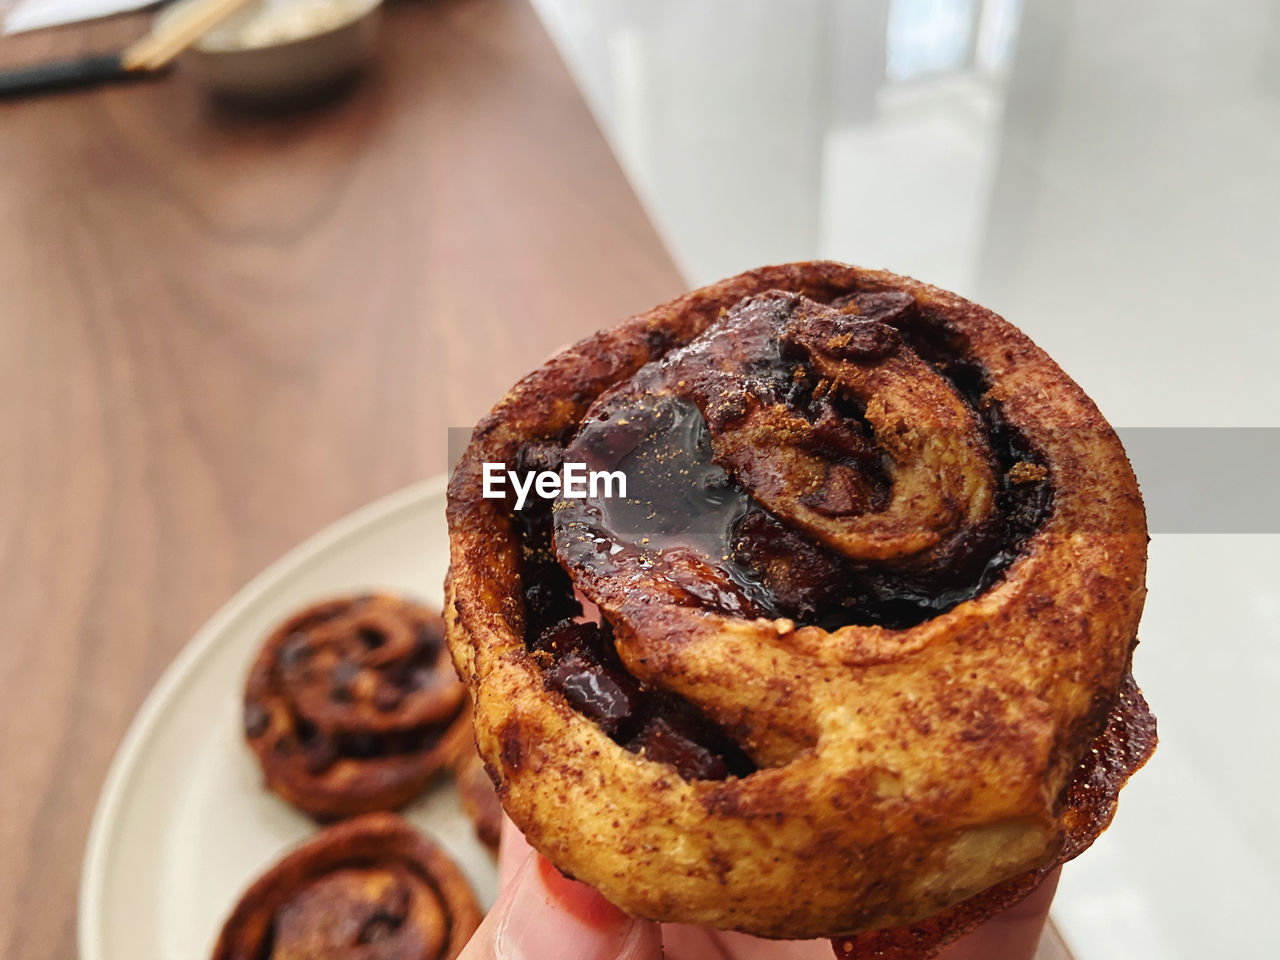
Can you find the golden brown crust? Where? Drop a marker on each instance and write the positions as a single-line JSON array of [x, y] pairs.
[[1088, 804], [904, 770], [352, 705], [370, 886]]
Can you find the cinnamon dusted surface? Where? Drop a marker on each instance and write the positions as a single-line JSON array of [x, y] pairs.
[[371, 887], [904, 761], [1125, 744]]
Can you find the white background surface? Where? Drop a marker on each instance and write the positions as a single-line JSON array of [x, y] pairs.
[[1107, 176]]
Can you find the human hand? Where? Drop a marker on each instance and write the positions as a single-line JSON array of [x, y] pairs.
[[542, 916]]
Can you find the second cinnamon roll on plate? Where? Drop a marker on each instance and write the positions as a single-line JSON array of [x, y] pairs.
[[855, 652], [352, 705]]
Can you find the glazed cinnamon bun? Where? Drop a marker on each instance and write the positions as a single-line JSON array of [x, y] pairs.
[[851, 657], [368, 887], [353, 706]]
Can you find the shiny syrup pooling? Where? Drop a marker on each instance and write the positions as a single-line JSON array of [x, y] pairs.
[[581, 663], [681, 512], [765, 568], [682, 505], [684, 516]]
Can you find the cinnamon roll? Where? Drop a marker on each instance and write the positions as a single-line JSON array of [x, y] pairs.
[[368, 887], [353, 706], [851, 657]]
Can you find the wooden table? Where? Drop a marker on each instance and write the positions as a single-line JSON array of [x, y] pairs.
[[220, 331]]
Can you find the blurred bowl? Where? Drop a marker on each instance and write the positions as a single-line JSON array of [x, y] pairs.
[[282, 49]]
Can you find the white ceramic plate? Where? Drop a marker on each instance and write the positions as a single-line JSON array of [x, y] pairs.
[[183, 823]]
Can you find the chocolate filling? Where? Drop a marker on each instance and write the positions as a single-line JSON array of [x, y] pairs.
[[693, 517], [582, 664]]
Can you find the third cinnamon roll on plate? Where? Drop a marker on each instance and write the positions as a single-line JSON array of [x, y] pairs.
[[854, 657], [370, 887]]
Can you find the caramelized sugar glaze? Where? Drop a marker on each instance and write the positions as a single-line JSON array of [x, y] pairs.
[[864, 617]]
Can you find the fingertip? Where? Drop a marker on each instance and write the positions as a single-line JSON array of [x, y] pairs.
[[513, 851], [584, 903], [549, 915], [1013, 934], [1037, 902]]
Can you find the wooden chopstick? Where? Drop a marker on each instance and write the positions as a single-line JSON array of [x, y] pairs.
[[176, 33]]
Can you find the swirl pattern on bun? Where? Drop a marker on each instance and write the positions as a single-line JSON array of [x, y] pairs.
[[368, 887], [352, 705], [853, 653]]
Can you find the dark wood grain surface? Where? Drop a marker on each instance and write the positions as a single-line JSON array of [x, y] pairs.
[[220, 331]]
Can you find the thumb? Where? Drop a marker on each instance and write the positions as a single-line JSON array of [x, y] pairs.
[[1012, 935], [541, 915]]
